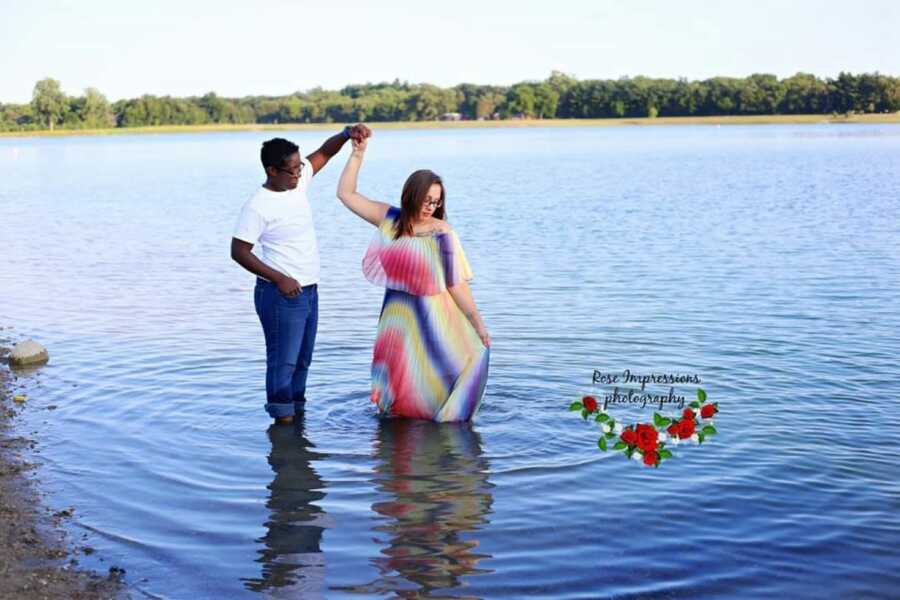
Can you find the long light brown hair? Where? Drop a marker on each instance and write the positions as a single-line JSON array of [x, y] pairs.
[[414, 191]]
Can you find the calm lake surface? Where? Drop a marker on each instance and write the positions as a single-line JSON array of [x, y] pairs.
[[765, 259]]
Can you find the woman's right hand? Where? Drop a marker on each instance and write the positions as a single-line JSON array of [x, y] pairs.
[[359, 146]]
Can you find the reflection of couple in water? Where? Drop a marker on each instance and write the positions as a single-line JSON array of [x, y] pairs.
[[436, 480], [431, 354]]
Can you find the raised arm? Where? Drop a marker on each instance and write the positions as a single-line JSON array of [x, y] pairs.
[[370, 210], [462, 295], [333, 145]]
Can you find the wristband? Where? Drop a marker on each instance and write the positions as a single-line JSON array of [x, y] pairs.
[[346, 132]]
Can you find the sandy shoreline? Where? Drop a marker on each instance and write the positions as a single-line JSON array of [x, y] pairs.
[[869, 118], [36, 558]]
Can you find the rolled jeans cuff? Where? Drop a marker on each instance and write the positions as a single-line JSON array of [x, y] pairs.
[[285, 409], [280, 409]]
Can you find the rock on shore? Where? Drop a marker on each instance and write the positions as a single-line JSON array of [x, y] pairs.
[[28, 353]]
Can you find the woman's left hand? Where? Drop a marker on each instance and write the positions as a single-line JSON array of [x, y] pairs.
[[485, 337]]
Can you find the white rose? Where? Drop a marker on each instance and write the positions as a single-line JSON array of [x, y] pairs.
[[662, 437], [637, 455], [695, 438], [605, 428]]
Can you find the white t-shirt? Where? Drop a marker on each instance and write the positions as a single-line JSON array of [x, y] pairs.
[[281, 223]]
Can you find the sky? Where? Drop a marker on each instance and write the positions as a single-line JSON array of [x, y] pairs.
[[276, 47]]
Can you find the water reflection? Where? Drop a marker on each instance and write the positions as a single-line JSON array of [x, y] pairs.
[[292, 556], [438, 482]]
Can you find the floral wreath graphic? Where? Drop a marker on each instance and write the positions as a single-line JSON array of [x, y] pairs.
[[647, 441]]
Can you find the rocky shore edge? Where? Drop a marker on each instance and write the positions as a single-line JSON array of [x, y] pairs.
[[37, 561]]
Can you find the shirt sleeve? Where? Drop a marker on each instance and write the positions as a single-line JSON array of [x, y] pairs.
[[249, 226], [307, 175]]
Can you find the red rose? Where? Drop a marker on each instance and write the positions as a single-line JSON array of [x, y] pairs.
[[646, 437], [628, 436], [590, 403], [688, 413], [686, 428], [650, 458], [707, 411]]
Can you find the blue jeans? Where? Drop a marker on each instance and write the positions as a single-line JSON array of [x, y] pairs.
[[289, 325]]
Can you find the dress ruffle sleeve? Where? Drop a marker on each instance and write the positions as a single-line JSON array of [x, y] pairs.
[[373, 269], [419, 265], [453, 259]]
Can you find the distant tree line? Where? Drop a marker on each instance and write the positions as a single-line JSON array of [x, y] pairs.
[[560, 96]]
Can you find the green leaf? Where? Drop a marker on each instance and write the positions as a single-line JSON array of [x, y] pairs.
[[665, 454], [584, 414], [665, 422], [601, 443], [701, 395], [694, 404], [629, 452], [620, 446], [610, 435], [576, 406], [701, 436], [709, 430], [603, 417]]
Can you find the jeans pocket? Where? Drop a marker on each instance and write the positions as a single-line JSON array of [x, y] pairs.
[[301, 300]]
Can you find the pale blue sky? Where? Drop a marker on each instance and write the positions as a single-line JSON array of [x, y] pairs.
[[275, 47]]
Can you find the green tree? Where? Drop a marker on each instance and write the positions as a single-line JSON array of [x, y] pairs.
[[521, 100], [760, 94], [49, 102], [214, 106], [804, 93], [566, 87], [487, 104], [546, 101], [843, 93], [96, 112], [16, 117], [428, 102]]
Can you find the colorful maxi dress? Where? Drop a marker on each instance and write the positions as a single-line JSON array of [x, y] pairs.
[[428, 361]]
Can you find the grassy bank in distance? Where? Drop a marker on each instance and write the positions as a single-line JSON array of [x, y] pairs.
[[718, 120]]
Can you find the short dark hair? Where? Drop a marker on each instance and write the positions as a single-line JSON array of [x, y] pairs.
[[276, 151]]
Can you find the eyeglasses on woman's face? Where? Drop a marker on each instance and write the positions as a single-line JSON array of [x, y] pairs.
[[433, 203]]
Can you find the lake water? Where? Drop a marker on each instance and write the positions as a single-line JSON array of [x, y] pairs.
[[765, 259]]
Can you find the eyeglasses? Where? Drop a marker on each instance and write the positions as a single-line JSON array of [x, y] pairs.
[[433, 203], [295, 172]]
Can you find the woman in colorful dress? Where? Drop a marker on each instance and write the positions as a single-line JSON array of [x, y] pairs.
[[432, 349]]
